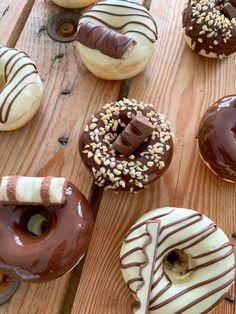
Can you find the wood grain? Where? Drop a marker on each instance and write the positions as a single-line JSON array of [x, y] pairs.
[[13, 14], [182, 85], [35, 149]]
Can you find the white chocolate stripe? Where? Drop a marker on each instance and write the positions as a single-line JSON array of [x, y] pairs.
[[32, 190]]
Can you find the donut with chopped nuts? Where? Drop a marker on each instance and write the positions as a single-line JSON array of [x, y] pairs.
[[210, 27], [133, 172]]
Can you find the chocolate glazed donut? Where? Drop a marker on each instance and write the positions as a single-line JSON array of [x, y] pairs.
[[216, 138], [63, 242]]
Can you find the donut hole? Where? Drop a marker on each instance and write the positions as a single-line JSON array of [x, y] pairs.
[[176, 266], [35, 221]]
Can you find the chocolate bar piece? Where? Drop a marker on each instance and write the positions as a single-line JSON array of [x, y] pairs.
[[133, 135], [229, 10], [17, 190], [108, 41]]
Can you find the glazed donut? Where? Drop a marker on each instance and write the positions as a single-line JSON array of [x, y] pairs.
[[21, 96], [135, 171], [210, 27], [42, 242], [216, 138], [73, 4], [176, 260], [116, 39]]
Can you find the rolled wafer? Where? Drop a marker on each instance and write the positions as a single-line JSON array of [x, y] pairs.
[[19, 190]]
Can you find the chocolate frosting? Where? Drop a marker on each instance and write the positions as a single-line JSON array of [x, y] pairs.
[[114, 171], [57, 250], [216, 138], [208, 28], [108, 41]]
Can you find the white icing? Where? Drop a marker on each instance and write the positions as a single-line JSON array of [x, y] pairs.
[[214, 238]]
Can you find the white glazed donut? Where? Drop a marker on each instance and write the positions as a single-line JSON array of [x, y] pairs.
[[127, 18], [73, 4], [21, 96], [176, 260]]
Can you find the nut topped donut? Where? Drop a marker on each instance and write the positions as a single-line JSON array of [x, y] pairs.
[[45, 227], [176, 260], [210, 27], [21, 95], [126, 145], [216, 138], [116, 39]]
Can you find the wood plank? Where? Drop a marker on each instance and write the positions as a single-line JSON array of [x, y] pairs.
[[181, 85], [13, 14], [35, 149]]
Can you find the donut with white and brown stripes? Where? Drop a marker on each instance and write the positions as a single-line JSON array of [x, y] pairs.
[[176, 260]]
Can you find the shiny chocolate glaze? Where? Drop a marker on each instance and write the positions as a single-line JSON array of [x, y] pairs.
[[209, 36], [216, 138], [64, 241]]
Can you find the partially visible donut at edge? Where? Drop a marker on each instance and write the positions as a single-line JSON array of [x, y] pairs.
[[124, 21], [209, 30], [125, 173], [73, 4], [59, 210], [217, 138], [176, 260], [21, 95]]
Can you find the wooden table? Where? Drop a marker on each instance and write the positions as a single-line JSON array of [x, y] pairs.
[[178, 82]]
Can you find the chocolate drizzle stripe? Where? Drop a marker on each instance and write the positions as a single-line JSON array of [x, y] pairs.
[[136, 238], [3, 53], [13, 65], [213, 251], [131, 265], [141, 224], [214, 228], [207, 295], [215, 260], [189, 239], [180, 228], [45, 190], [179, 221], [139, 32], [131, 281], [2, 120], [157, 281], [11, 103], [159, 294], [11, 189], [8, 61], [99, 4], [192, 288], [130, 252], [19, 70]]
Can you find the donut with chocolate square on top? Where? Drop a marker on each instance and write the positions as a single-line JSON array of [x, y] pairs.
[[126, 145], [210, 27], [45, 227]]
